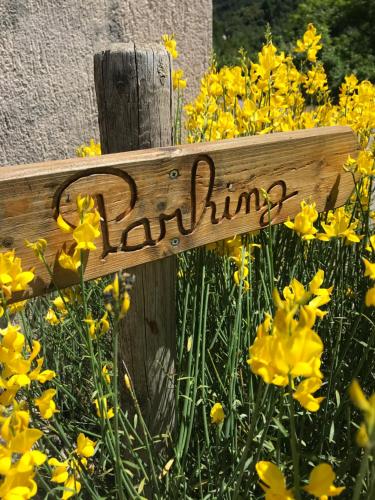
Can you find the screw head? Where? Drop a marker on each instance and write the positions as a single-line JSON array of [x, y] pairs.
[[173, 174], [175, 242]]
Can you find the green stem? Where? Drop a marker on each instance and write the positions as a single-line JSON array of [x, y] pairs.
[[293, 443], [240, 469], [116, 411], [361, 475]]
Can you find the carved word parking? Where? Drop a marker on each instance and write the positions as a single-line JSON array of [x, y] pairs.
[[202, 195]]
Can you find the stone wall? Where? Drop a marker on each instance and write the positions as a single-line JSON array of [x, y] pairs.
[[47, 96]]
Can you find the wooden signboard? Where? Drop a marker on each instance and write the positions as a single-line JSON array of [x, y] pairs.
[[158, 202]]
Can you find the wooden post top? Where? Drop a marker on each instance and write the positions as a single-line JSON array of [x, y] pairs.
[[158, 202]]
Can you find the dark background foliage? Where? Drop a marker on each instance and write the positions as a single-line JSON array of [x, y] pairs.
[[347, 28]]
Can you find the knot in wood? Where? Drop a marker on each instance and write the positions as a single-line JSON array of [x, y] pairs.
[[162, 72], [7, 242], [121, 85]]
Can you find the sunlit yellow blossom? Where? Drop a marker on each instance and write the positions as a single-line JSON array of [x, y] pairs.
[[316, 80], [321, 483], [178, 79], [70, 262], [339, 225], [303, 222], [63, 225], [309, 43], [93, 149], [286, 347], [365, 163], [71, 487], [12, 277], [273, 481], [67, 473], [85, 235], [217, 413], [18, 485], [60, 470], [85, 446], [170, 44], [369, 268], [45, 403], [304, 394]]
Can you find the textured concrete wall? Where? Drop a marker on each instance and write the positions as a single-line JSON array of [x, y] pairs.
[[47, 96]]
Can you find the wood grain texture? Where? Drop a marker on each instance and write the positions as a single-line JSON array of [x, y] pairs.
[[134, 95], [307, 163]]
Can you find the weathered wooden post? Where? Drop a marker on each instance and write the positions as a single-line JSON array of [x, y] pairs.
[[134, 95]]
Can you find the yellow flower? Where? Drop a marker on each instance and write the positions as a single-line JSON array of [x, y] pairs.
[[51, 317], [273, 481], [178, 79], [92, 326], [339, 225], [240, 275], [370, 297], [304, 221], [70, 262], [286, 347], [371, 244], [321, 483], [38, 247], [369, 268], [85, 446], [103, 324], [101, 409], [12, 277], [59, 303], [85, 235], [105, 374], [365, 435], [63, 225], [304, 391], [18, 485], [45, 403], [113, 296], [71, 487], [97, 328], [309, 43], [84, 204], [364, 164], [170, 45], [316, 80], [60, 470], [61, 473], [93, 149], [217, 413]]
